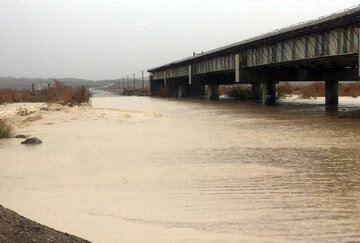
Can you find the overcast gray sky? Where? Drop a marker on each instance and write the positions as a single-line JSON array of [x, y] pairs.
[[107, 39]]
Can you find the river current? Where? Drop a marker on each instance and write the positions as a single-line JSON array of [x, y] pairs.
[[189, 171]]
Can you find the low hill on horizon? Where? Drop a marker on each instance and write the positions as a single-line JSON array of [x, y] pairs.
[[26, 83]]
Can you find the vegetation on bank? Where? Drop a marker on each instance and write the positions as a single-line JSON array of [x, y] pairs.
[[352, 90], [283, 90], [313, 90], [60, 94], [6, 131], [128, 91], [241, 92], [136, 92], [317, 89]]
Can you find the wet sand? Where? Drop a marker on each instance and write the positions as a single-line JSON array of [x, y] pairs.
[[154, 170]]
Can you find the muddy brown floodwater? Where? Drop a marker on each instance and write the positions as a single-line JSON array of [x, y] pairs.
[[158, 170]]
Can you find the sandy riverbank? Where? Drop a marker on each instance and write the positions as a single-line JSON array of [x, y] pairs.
[[13, 227], [23, 117]]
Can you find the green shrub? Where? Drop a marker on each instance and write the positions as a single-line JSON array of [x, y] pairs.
[[6, 130]]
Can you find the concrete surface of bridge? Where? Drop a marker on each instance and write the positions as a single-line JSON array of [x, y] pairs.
[[325, 49]]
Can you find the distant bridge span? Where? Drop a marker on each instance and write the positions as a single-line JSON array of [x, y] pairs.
[[325, 49]]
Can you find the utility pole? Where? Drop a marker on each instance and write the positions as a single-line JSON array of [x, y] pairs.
[[142, 78], [134, 79], [127, 79]]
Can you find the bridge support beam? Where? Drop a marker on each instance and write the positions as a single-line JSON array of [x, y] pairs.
[[213, 92], [269, 93], [331, 93], [255, 91], [182, 91]]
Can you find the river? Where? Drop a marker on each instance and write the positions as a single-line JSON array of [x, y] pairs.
[[189, 171]]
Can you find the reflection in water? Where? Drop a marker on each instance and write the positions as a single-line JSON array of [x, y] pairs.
[[203, 172]]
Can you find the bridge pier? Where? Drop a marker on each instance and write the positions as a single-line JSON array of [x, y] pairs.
[[182, 91], [269, 93], [155, 86], [256, 91], [213, 92], [331, 93], [172, 90]]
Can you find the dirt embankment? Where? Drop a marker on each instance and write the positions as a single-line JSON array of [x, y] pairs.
[[15, 228]]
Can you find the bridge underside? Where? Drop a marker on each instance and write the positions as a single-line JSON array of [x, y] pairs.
[[330, 71]]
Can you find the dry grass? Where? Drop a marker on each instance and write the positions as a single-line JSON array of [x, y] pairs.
[[12, 95], [352, 90], [313, 90], [285, 89], [135, 92], [222, 89], [33, 118], [63, 95], [58, 94], [317, 89], [6, 130], [243, 92], [240, 92]]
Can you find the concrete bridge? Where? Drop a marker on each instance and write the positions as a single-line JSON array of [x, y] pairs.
[[325, 49]]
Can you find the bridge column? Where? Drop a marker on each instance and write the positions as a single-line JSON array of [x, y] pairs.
[[269, 93], [152, 86], [182, 91], [331, 93], [213, 92], [255, 91], [155, 86]]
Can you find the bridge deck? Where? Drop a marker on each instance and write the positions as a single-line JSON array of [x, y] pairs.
[[328, 42]]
